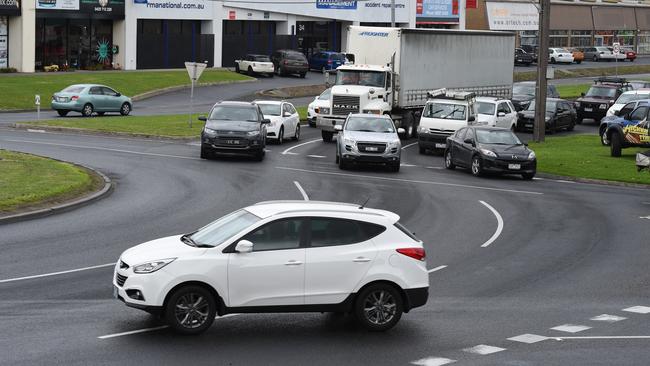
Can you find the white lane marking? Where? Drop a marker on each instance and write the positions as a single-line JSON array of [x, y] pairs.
[[37, 131], [302, 191], [407, 180], [608, 318], [437, 269], [434, 167], [409, 145], [483, 349], [528, 338], [433, 361], [288, 151], [144, 330], [563, 181], [407, 165], [571, 328], [105, 149], [317, 156], [601, 337], [57, 273], [497, 233], [645, 217], [638, 309]]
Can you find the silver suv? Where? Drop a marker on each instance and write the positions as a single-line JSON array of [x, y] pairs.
[[368, 139]]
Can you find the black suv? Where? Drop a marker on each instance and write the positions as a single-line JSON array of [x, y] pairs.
[[524, 92], [600, 96], [234, 128], [522, 57], [288, 62]]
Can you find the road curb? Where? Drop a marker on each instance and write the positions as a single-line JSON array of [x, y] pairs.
[[82, 131], [67, 206], [593, 181]]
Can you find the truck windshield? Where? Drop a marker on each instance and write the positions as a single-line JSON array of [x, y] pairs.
[[358, 77], [444, 111]]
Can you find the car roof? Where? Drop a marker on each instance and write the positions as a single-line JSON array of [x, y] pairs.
[[85, 85], [368, 115], [235, 103], [606, 85], [490, 128], [271, 102], [273, 208], [490, 99], [637, 91]]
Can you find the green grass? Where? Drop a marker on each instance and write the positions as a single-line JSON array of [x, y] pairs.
[[176, 125], [583, 156], [572, 91], [29, 180], [623, 69], [18, 91], [302, 111]]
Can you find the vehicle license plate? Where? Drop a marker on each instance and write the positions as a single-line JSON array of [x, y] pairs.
[[588, 109], [115, 292], [514, 166], [441, 146], [232, 142], [529, 125], [372, 148], [62, 99]]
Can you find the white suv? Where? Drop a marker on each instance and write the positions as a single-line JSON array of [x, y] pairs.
[[280, 256]]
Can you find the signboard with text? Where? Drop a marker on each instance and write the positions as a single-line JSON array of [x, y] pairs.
[[57, 4], [437, 11], [176, 9], [336, 4], [512, 16], [9, 7]]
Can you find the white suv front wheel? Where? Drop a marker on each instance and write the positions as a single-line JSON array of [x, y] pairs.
[[379, 307], [191, 310]]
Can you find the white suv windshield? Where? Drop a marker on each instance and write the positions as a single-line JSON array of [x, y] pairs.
[[444, 111], [224, 228]]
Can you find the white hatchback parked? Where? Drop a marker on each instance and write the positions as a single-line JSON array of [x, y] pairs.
[[279, 256], [285, 121]]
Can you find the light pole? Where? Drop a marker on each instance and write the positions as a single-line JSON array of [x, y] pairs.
[[542, 63], [392, 13]]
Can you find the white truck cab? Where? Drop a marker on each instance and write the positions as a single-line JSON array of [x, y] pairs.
[[444, 113]]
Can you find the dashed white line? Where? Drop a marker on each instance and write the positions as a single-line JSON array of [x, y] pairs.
[[407, 165], [645, 217], [437, 269], [608, 318], [497, 233], [288, 151], [571, 328], [483, 349], [434, 167], [409, 145], [302, 191], [638, 309], [144, 330], [601, 337], [37, 131], [408, 180], [528, 338], [57, 273], [317, 156], [433, 361]]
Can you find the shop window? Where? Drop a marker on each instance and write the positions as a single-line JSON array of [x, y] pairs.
[[644, 42], [581, 38]]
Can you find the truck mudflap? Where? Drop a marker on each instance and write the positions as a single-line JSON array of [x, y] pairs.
[[327, 123]]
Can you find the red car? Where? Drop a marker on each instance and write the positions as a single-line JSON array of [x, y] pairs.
[[631, 55]]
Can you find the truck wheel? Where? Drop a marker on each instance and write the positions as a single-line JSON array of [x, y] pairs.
[[408, 124], [327, 136], [615, 144]]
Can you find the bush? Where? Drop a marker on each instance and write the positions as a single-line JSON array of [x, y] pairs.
[[8, 70]]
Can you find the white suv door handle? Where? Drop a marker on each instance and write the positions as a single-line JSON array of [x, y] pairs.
[[293, 263], [361, 259]]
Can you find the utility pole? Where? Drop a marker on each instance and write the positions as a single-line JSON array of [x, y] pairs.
[[542, 63], [392, 13]]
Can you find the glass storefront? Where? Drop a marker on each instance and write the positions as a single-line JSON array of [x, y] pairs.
[[644, 42], [83, 44], [581, 38]]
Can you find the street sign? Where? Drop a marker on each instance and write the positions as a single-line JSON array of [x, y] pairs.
[[37, 99], [195, 69], [617, 48]]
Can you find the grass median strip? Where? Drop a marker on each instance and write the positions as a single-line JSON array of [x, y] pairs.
[[18, 90], [583, 156], [32, 181]]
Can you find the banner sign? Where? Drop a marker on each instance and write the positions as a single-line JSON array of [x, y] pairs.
[[57, 4], [512, 16], [9, 7], [437, 11], [336, 4]]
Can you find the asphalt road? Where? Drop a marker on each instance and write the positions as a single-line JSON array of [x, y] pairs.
[[566, 253]]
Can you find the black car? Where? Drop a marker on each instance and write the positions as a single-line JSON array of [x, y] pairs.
[[531, 50], [234, 128], [288, 62], [522, 57], [524, 92], [559, 115], [490, 150], [600, 96]]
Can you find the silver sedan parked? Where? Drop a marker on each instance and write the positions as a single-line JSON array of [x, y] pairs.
[[368, 139]]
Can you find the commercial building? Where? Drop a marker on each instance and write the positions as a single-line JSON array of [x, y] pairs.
[[573, 23], [9, 11]]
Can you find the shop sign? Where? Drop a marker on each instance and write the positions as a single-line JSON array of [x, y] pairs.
[[112, 7], [10, 7], [232, 15], [57, 4], [3, 26], [3, 52], [437, 10], [336, 4], [512, 16], [173, 9]]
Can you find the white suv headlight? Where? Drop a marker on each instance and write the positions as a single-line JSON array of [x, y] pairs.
[[152, 266]]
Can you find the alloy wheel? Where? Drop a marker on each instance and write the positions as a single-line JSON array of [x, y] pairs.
[[192, 310], [379, 307], [476, 166]]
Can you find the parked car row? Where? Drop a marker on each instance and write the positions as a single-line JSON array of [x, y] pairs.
[[527, 55], [288, 62]]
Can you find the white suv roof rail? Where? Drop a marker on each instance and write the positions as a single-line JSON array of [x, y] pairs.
[[443, 93]]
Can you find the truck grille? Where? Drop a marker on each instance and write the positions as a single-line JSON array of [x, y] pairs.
[[371, 148], [343, 105], [120, 279]]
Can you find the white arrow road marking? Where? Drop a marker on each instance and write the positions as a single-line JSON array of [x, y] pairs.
[[436, 269], [571, 328], [302, 191], [483, 349], [497, 233], [645, 217], [57, 273], [528, 338], [608, 318], [433, 361], [288, 151], [409, 145], [638, 309]]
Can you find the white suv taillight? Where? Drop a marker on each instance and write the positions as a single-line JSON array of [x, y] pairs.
[[415, 253]]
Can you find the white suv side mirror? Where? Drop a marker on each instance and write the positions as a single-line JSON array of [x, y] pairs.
[[244, 246]]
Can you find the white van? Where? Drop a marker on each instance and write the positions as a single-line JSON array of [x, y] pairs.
[[444, 113]]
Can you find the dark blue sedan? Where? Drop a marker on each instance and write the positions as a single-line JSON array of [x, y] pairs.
[[326, 60]]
